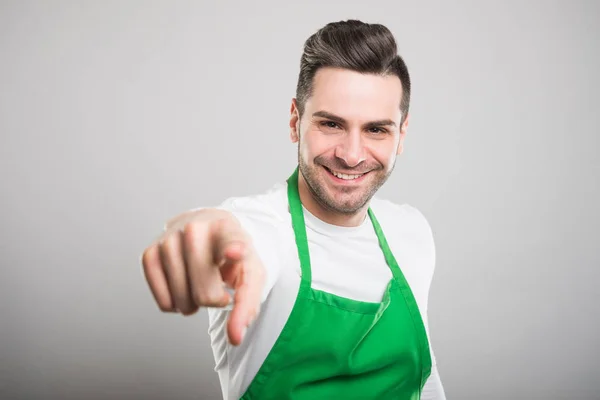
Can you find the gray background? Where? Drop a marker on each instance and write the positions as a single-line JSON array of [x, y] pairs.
[[114, 116]]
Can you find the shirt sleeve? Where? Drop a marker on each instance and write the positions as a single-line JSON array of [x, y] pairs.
[[266, 233], [433, 388]]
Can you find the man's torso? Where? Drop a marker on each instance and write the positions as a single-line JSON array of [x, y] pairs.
[[347, 262]]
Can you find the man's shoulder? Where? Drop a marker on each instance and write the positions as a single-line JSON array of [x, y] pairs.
[[400, 216], [397, 210], [268, 205], [407, 231]]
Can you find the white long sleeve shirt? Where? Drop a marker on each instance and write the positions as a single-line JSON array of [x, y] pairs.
[[345, 261]]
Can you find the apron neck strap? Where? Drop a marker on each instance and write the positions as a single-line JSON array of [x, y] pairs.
[[299, 229], [387, 252]]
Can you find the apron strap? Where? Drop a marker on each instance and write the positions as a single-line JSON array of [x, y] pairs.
[[387, 252], [299, 229]]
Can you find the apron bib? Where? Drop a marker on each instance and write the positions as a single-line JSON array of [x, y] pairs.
[[332, 347]]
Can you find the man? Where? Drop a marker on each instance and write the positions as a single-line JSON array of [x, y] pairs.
[[317, 289]]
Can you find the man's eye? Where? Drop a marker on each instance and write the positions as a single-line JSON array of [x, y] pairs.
[[329, 124], [376, 130]]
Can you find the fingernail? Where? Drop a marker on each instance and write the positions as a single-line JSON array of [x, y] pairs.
[[244, 332]]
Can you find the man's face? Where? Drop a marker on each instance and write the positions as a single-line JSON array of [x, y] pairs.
[[349, 136]]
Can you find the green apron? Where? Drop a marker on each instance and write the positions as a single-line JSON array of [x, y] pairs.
[[332, 347]]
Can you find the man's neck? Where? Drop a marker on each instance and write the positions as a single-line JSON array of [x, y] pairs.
[[325, 214]]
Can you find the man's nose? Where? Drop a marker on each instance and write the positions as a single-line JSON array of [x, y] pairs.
[[351, 149]]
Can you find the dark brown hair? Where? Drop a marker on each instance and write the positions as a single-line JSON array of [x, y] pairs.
[[354, 45]]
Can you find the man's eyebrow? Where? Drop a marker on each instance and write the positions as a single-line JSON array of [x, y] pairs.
[[381, 122], [335, 118], [328, 115]]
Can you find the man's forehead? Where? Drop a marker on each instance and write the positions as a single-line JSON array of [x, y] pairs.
[[351, 94]]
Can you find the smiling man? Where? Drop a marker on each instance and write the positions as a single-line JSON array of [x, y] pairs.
[[317, 289]]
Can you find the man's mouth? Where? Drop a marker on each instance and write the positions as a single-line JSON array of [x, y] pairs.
[[344, 176]]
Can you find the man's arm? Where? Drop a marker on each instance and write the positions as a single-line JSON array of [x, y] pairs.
[[433, 388]]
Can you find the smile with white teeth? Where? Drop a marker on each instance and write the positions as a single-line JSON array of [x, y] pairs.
[[345, 176]]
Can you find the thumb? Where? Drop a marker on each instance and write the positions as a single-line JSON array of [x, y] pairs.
[[230, 242]]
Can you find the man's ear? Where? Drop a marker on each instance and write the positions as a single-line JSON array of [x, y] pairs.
[[403, 130], [294, 122]]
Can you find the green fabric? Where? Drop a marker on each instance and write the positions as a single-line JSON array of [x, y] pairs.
[[337, 348]]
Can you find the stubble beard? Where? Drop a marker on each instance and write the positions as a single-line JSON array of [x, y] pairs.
[[350, 206]]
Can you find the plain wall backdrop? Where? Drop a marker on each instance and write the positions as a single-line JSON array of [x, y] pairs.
[[116, 115]]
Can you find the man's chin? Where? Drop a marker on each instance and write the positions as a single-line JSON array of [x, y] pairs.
[[343, 204], [347, 209]]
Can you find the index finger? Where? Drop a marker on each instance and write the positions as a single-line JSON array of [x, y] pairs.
[[247, 298]]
